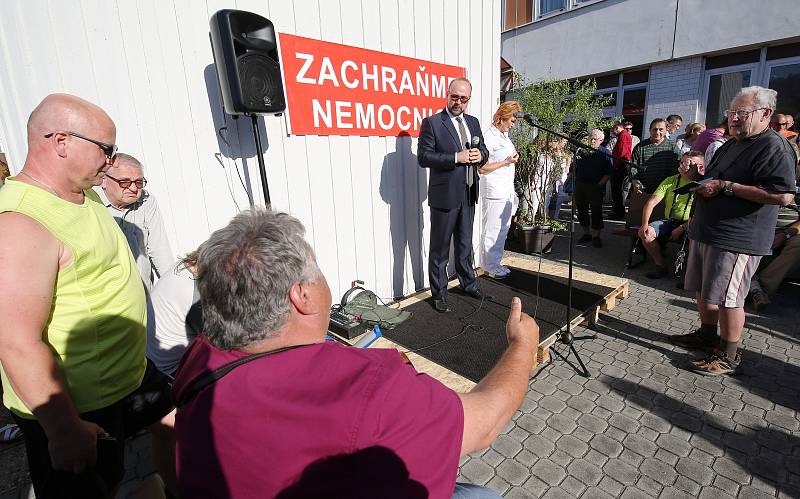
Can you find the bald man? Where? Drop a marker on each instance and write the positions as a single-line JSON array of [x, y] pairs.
[[72, 339]]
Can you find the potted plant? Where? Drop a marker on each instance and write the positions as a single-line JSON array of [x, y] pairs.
[[570, 108]]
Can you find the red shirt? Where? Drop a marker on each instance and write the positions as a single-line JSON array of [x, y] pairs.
[[622, 149], [253, 432]]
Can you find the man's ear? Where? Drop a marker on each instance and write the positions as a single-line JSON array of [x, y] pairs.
[[301, 298]]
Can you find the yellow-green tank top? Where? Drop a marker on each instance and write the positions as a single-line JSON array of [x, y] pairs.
[[98, 317]]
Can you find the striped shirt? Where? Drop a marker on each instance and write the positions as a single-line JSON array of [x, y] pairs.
[[653, 163]]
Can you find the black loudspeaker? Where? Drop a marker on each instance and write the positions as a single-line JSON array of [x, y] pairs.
[[246, 55]]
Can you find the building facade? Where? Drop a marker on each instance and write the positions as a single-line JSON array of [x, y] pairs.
[[686, 57], [149, 64]]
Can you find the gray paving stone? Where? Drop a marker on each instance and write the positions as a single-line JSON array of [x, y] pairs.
[[526, 458], [581, 403], [539, 445], [659, 471], [655, 422], [548, 472], [557, 493], [743, 443], [767, 468], [640, 445], [731, 470], [531, 423], [606, 446], [726, 486], [649, 486], [552, 404], [673, 444], [513, 472], [621, 471], [611, 486], [492, 457], [683, 484], [562, 423], [751, 492], [507, 446], [764, 485], [585, 471], [477, 471], [498, 485], [560, 457], [631, 458], [592, 423], [521, 493], [635, 493], [624, 423], [666, 457], [695, 470], [610, 403], [572, 446], [675, 493]]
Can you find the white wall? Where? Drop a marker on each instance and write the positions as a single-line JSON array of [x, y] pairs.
[[618, 34], [149, 64]]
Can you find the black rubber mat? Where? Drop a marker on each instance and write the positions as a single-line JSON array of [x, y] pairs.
[[470, 339]]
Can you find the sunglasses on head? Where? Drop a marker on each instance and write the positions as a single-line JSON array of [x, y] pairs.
[[110, 150]]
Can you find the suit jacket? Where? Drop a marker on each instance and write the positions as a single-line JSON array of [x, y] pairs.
[[438, 142]]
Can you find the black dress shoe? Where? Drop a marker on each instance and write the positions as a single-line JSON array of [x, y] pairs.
[[441, 305], [585, 239], [475, 293]]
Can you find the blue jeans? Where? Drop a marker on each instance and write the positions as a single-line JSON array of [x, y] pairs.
[[470, 491], [664, 229]]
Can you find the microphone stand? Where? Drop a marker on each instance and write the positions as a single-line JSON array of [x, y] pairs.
[[566, 337]]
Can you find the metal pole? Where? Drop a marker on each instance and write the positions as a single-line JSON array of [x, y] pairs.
[[262, 169]]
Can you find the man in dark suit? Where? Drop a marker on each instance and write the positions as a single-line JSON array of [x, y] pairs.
[[451, 145]]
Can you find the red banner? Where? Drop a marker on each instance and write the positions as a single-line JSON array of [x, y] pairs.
[[334, 89]]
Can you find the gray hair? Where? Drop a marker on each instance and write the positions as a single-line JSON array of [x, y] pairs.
[[127, 159], [245, 272], [763, 97], [595, 131]]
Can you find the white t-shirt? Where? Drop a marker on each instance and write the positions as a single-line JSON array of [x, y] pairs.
[[499, 183], [167, 332]]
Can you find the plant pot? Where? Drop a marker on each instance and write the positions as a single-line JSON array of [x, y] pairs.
[[536, 238]]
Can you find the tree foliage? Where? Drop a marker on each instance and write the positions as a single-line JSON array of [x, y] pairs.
[[570, 108]]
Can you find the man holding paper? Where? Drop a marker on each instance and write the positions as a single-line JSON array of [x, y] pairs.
[[734, 225]]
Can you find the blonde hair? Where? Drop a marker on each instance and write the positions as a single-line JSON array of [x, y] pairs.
[[694, 128], [506, 110]]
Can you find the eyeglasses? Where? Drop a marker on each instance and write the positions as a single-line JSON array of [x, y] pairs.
[[125, 183], [742, 113], [628, 128], [110, 150], [782, 124], [463, 98]]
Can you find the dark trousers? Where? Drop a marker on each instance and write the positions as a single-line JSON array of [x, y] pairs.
[[455, 224], [589, 197], [617, 181]]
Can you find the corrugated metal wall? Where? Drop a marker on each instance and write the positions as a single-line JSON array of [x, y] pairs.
[[149, 64]]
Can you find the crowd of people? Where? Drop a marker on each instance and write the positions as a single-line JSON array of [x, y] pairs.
[[109, 332], [748, 166]]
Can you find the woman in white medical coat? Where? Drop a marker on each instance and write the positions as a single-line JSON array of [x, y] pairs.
[[498, 199]]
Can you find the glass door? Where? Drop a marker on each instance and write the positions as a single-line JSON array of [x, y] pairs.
[[784, 78], [721, 86]]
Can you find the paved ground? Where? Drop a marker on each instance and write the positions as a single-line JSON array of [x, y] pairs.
[[641, 426]]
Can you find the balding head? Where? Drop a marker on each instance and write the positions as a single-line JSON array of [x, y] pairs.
[[69, 139], [68, 113]]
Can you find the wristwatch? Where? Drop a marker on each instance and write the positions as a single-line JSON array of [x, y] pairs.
[[728, 189]]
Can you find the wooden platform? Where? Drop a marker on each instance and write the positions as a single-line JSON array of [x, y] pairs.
[[458, 383]]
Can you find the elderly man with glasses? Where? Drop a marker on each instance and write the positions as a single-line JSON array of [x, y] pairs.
[[736, 210], [136, 211]]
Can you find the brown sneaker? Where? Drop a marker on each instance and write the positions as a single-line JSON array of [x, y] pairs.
[[760, 299], [716, 364], [696, 340]]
